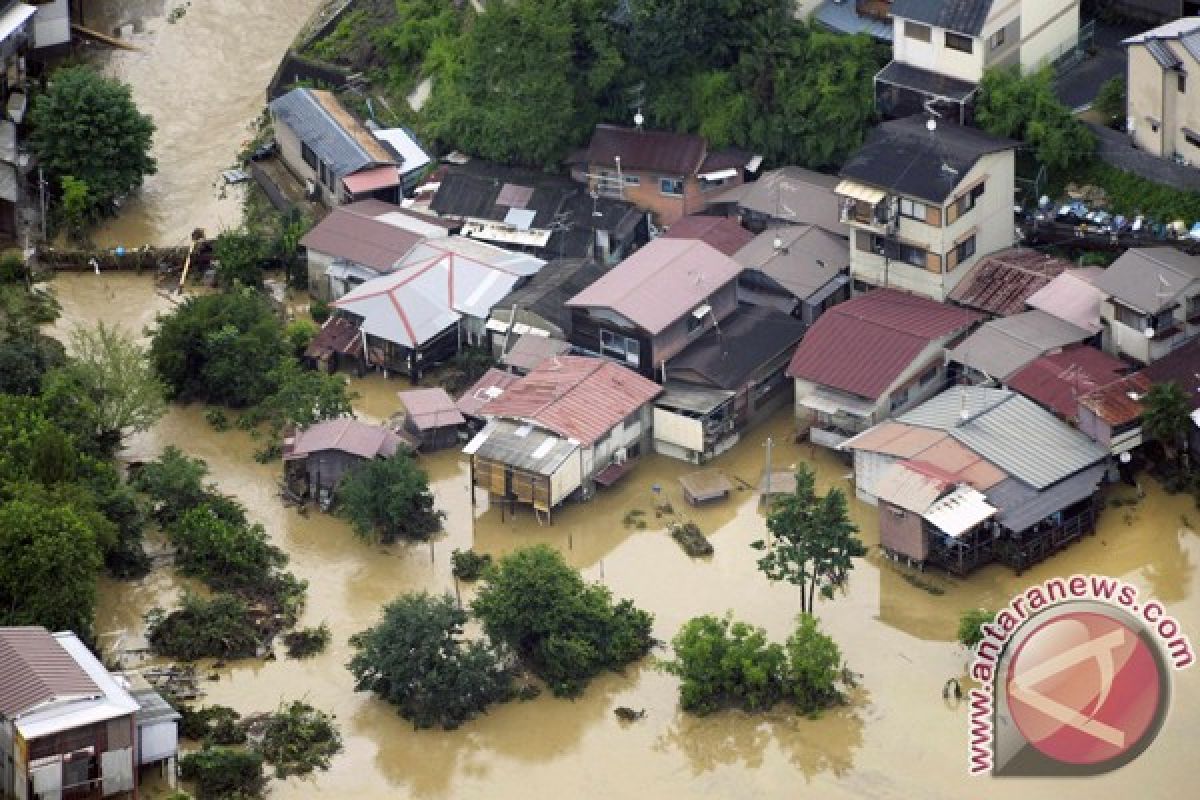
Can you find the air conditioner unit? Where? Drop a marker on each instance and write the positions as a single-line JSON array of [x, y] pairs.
[[621, 456]]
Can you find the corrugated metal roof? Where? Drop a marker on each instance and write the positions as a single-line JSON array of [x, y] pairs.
[[810, 257], [1057, 381], [959, 511], [1120, 401], [1001, 283], [1002, 346], [1149, 279], [932, 450], [723, 233], [365, 239], [345, 435], [1010, 431], [338, 139], [529, 351], [152, 708], [660, 283], [1022, 506], [863, 345], [523, 447], [489, 387], [793, 194], [907, 486], [430, 409], [36, 669], [658, 151], [579, 398], [1072, 296], [936, 84]]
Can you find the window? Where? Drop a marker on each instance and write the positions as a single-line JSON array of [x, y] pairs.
[[632, 180], [1162, 322], [899, 398], [672, 186], [1193, 307], [956, 41], [1182, 82], [966, 249], [968, 200], [1192, 139], [706, 184], [1130, 318], [915, 30], [998, 39], [622, 348], [898, 251], [928, 376], [308, 155], [913, 209], [694, 323]]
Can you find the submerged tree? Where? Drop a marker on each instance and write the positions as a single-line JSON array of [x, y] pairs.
[[389, 497], [116, 373], [1166, 417], [813, 540]]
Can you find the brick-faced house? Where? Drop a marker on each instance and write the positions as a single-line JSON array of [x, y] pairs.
[[668, 174]]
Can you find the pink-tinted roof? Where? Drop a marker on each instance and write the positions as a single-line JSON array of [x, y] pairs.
[[490, 386], [1057, 381], [576, 397], [863, 345], [35, 669], [369, 180], [1072, 297], [723, 233], [346, 435], [932, 452], [1001, 282], [430, 408], [660, 283]]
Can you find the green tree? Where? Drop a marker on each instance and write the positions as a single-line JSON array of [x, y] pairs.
[[1166, 417], [970, 624], [219, 627], [1110, 102], [240, 254], [1025, 107], [219, 347], [391, 497], [417, 659], [670, 37], [49, 560], [723, 663], [116, 373], [224, 772], [76, 205], [814, 667], [299, 333], [564, 629], [22, 365], [175, 483], [813, 540], [86, 126], [298, 739], [226, 555], [303, 397]]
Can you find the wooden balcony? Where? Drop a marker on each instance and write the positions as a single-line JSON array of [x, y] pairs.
[[874, 9]]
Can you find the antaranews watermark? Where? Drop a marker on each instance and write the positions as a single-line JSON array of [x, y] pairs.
[[1074, 679]]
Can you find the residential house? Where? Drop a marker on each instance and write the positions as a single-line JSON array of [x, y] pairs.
[[1112, 414], [872, 17], [431, 417], [547, 215], [1001, 347], [360, 241], [722, 233], [801, 270], [490, 386], [414, 160], [671, 175], [17, 37], [870, 358], [569, 425], [68, 728], [941, 48], [784, 196], [926, 205], [1163, 94], [653, 304], [338, 158], [976, 475], [540, 304], [1001, 283], [316, 458], [1153, 302], [530, 350], [437, 300], [1057, 381], [1072, 296], [724, 382]]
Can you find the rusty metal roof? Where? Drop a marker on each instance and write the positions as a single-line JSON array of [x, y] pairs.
[[863, 345], [36, 669], [1056, 381], [489, 387], [1002, 282], [576, 397], [723, 233], [658, 151], [1120, 401], [430, 409]]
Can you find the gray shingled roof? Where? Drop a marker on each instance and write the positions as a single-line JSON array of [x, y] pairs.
[[301, 111], [1010, 431], [1149, 279], [960, 16]]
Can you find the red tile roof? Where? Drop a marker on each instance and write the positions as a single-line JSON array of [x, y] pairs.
[[863, 345], [657, 151], [723, 233], [576, 397], [35, 669], [1057, 381]]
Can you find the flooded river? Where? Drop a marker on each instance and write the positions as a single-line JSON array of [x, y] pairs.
[[203, 79], [897, 739]]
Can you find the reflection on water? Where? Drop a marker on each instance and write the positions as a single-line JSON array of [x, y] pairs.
[[897, 739]]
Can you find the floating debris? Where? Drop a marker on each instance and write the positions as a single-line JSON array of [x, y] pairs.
[[693, 542]]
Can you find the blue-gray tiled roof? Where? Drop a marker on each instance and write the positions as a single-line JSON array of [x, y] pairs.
[[960, 16], [301, 111]]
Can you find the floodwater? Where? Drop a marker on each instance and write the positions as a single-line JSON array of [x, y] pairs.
[[203, 79], [896, 739]]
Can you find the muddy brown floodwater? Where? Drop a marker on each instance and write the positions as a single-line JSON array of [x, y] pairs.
[[203, 79], [897, 738]]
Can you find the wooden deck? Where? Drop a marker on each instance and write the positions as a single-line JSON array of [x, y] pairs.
[[706, 485], [614, 472]]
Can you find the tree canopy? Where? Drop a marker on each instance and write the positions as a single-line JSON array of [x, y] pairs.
[[115, 372], [1166, 416], [87, 126], [1025, 107], [389, 497]]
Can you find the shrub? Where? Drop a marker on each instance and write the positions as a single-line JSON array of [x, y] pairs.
[[299, 332], [217, 418], [814, 667], [217, 628], [298, 739], [319, 310], [469, 565], [969, 624], [174, 482], [212, 725], [308, 641], [1110, 102], [389, 496], [223, 772], [224, 555]]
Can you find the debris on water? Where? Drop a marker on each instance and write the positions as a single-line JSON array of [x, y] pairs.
[[634, 518], [627, 714], [693, 542], [924, 585]]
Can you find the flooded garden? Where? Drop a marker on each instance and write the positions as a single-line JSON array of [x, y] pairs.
[[897, 737]]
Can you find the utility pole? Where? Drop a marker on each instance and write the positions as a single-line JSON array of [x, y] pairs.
[[766, 496], [42, 198]]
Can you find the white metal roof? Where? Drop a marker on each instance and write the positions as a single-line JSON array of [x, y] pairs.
[[14, 18], [410, 150], [959, 511]]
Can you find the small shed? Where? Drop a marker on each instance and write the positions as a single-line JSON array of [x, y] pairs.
[[158, 732], [701, 487], [431, 417], [317, 457]]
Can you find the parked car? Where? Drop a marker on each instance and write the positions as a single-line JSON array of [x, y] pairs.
[[1100, 221], [1072, 212], [1194, 233]]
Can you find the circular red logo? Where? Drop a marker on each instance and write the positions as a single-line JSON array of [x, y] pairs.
[[1083, 688]]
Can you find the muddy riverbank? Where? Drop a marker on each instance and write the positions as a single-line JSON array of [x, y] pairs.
[[897, 739]]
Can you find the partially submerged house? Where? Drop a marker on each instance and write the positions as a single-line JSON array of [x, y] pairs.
[[569, 425], [801, 270], [68, 728], [925, 205], [432, 418], [538, 306], [436, 301], [489, 386], [668, 174], [1000, 284], [1163, 95], [976, 475], [649, 307], [360, 241], [338, 158], [1002, 346], [1058, 380], [784, 196], [724, 382], [870, 358], [722, 233], [1153, 302], [317, 458]]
